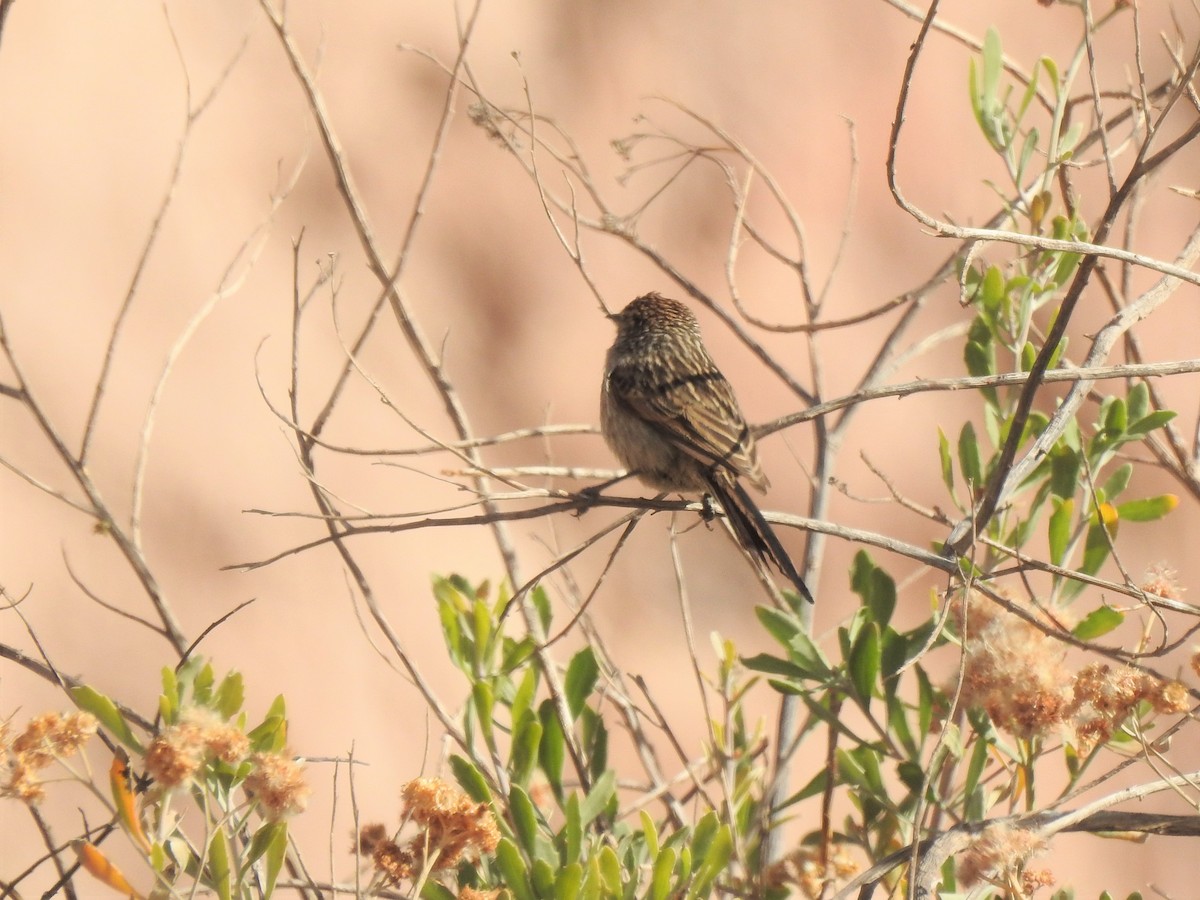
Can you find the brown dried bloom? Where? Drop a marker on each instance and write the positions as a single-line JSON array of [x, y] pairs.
[[45, 738], [999, 856], [1196, 661], [1105, 696], [1163, 581], [179, 750], [468, 893], [1013, 671], [52, 736], [277, 784], [453, 825], [396, 863], [802, 868], [22, 783]]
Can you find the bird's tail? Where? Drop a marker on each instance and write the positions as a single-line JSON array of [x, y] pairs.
[[753, 531]]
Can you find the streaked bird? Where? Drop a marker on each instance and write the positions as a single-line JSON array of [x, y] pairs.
[[672, 419]]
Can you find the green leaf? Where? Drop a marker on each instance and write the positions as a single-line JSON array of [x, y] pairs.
[[524, 819], [523, 699], [482, 699], [569, 882], [610, 870], [1147, 510], [582, 673], [1150, 422], [947, 463], [230, 695], [92, 701], [1117, 482], [1100, 621], [432, 890], [572, 833], [650, 833], [542, 876], [713, 863], [782, 626], [597, 800], [1065, 464], [874, 586], [482, 632], [470, 779], [1116, 417], [660, 878], [1059, 528], [513, 871], [864, 663], [526, 741], [1096, 549], [968, 457], [219, 872], [1138, 401], [552, 749]]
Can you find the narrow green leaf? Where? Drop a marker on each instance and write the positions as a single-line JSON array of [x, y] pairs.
[[1059, 528], [276, 852], [1138, 401], [513, 871], [1117, 482], [650, 833], [483, 700], [1150, 422], [947, 463], [552, 750], [572, 832], [660, 877], [863, 663], [968, 457], [524, 818], [470, 779], [598, 798], [1100, 621], [569, 882], [780, 625], [219, 872], [526, 741], [92, 701], [230, 695], [610, 870], [523, 699], [1148, 509], [542, 877], [1116, 417], [582, 673], [1065, 465], [717, 857]]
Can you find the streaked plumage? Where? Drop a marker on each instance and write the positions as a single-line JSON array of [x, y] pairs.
[[671, 417]]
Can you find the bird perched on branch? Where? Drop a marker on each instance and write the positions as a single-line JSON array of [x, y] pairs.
[[671, 417]]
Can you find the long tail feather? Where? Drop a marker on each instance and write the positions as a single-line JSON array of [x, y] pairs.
[[754, 532]]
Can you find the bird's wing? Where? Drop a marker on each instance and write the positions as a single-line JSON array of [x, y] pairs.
[[695, 411]]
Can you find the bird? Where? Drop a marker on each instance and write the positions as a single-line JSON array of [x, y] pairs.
[[670, 416]]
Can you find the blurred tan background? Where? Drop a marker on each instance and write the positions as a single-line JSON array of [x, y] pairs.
[[93, 102]]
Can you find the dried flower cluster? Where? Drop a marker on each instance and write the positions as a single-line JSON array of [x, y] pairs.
[[177, 754], [999, 856], [1106, 695], [451, 827], [1163, 581], [1016, 673], [46, 738], [179, 750], [803, 869], [277, 784]]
